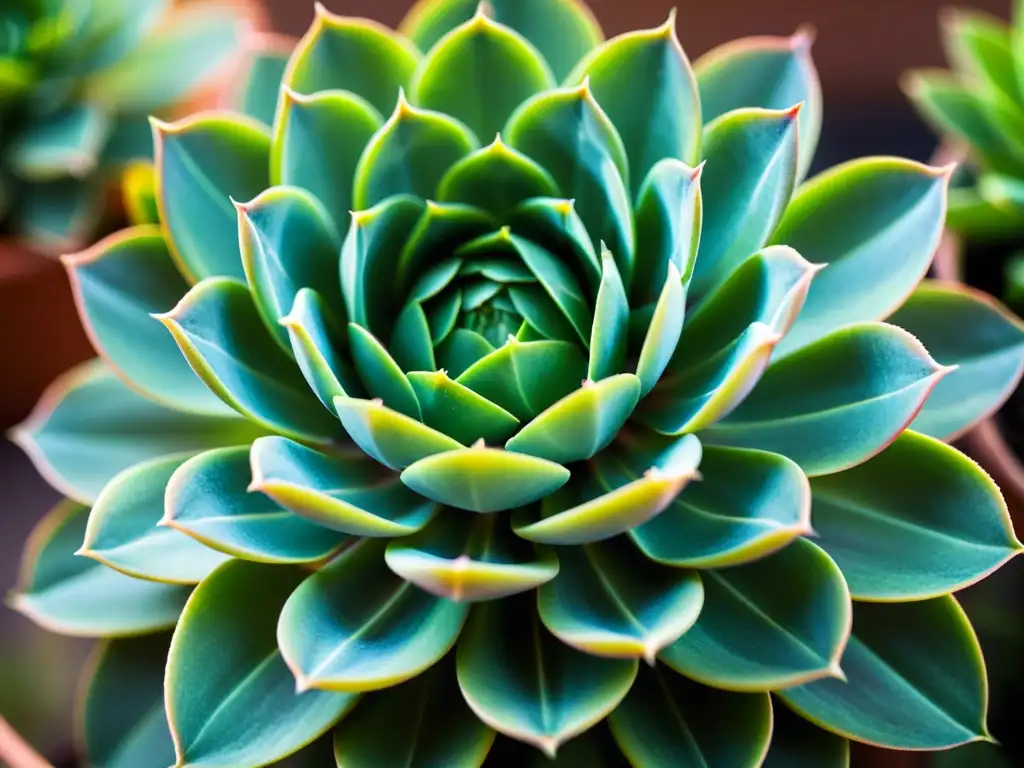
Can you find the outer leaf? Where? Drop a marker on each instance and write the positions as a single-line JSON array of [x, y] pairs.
[[896, 527], [317, 143], [568, 133], [475, 417], [219, 330], [356, 55], [610, 600], [203, 162], [410, 154], [470, 559], [88, 426], [644, 82], [392, 438], [355, 626], [479, 73], [631, 486], [562, 30], [424, 722], [765, 72], [80, 597], [892, 696], [208, 498], [581, 424], [667, 719], [244, 709], [123, 723], [354, 496], [751, 166], [884, 218], [966, 328], [524, 378], [523, 682], [288, 243], [484, 479], [755, 635], [122, 532], [796, 743], [496, 178], [871, 374], [118, 284]]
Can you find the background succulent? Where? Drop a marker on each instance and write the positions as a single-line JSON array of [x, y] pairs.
[[77, 81], [532, 440]]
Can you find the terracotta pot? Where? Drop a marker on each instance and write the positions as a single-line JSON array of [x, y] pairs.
[[985, 442], [40, 334]]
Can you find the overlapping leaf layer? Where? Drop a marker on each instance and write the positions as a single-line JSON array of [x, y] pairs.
[[514, 392], [77, 81]]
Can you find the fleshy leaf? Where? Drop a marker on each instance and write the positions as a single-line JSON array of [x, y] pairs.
[[203, 162], [610, 600], [580, 424], [317, 143], [461, 350], [410, 154], [219, 330], [424, 722], [392, 438], [968, 329], [524, 378], [479, 73], [122, 532], [566, 132], [243, 710], [119, 283], [355, 496], [88, 426], [609, 336], [748, 504], [80, 597], [208, 498], [753, 636], [379, 372], [261, 86], [663, 332], [484, 479], [496, 178], [64, 143], [892, 696], [750, 170], [441, 229], [562, 30], [980, 46], [471, 558], [556, 225], [631, 486], [523, 682], [865, 381], [355, 55], [896, 527], [765, 72], [644, 82], [356, 626], [669, 212], [876, 222], [288, 243], [460, 412], [669, 720], [122, 719]]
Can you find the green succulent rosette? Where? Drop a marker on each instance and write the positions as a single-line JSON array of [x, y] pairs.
[[499, 404], [78, 79]]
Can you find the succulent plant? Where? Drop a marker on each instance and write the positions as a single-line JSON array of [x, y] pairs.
[[565, 425], [78, 79]]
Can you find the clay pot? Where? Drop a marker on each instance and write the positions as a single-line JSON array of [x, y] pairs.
[[985, 442]]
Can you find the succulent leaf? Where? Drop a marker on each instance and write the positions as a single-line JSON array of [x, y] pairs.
[[798, 637], [81, 597], [244, 710], [965, 328], [355, 626], [874, 519], [479, 418], [889, 666], [261, 88], [67, 143]]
